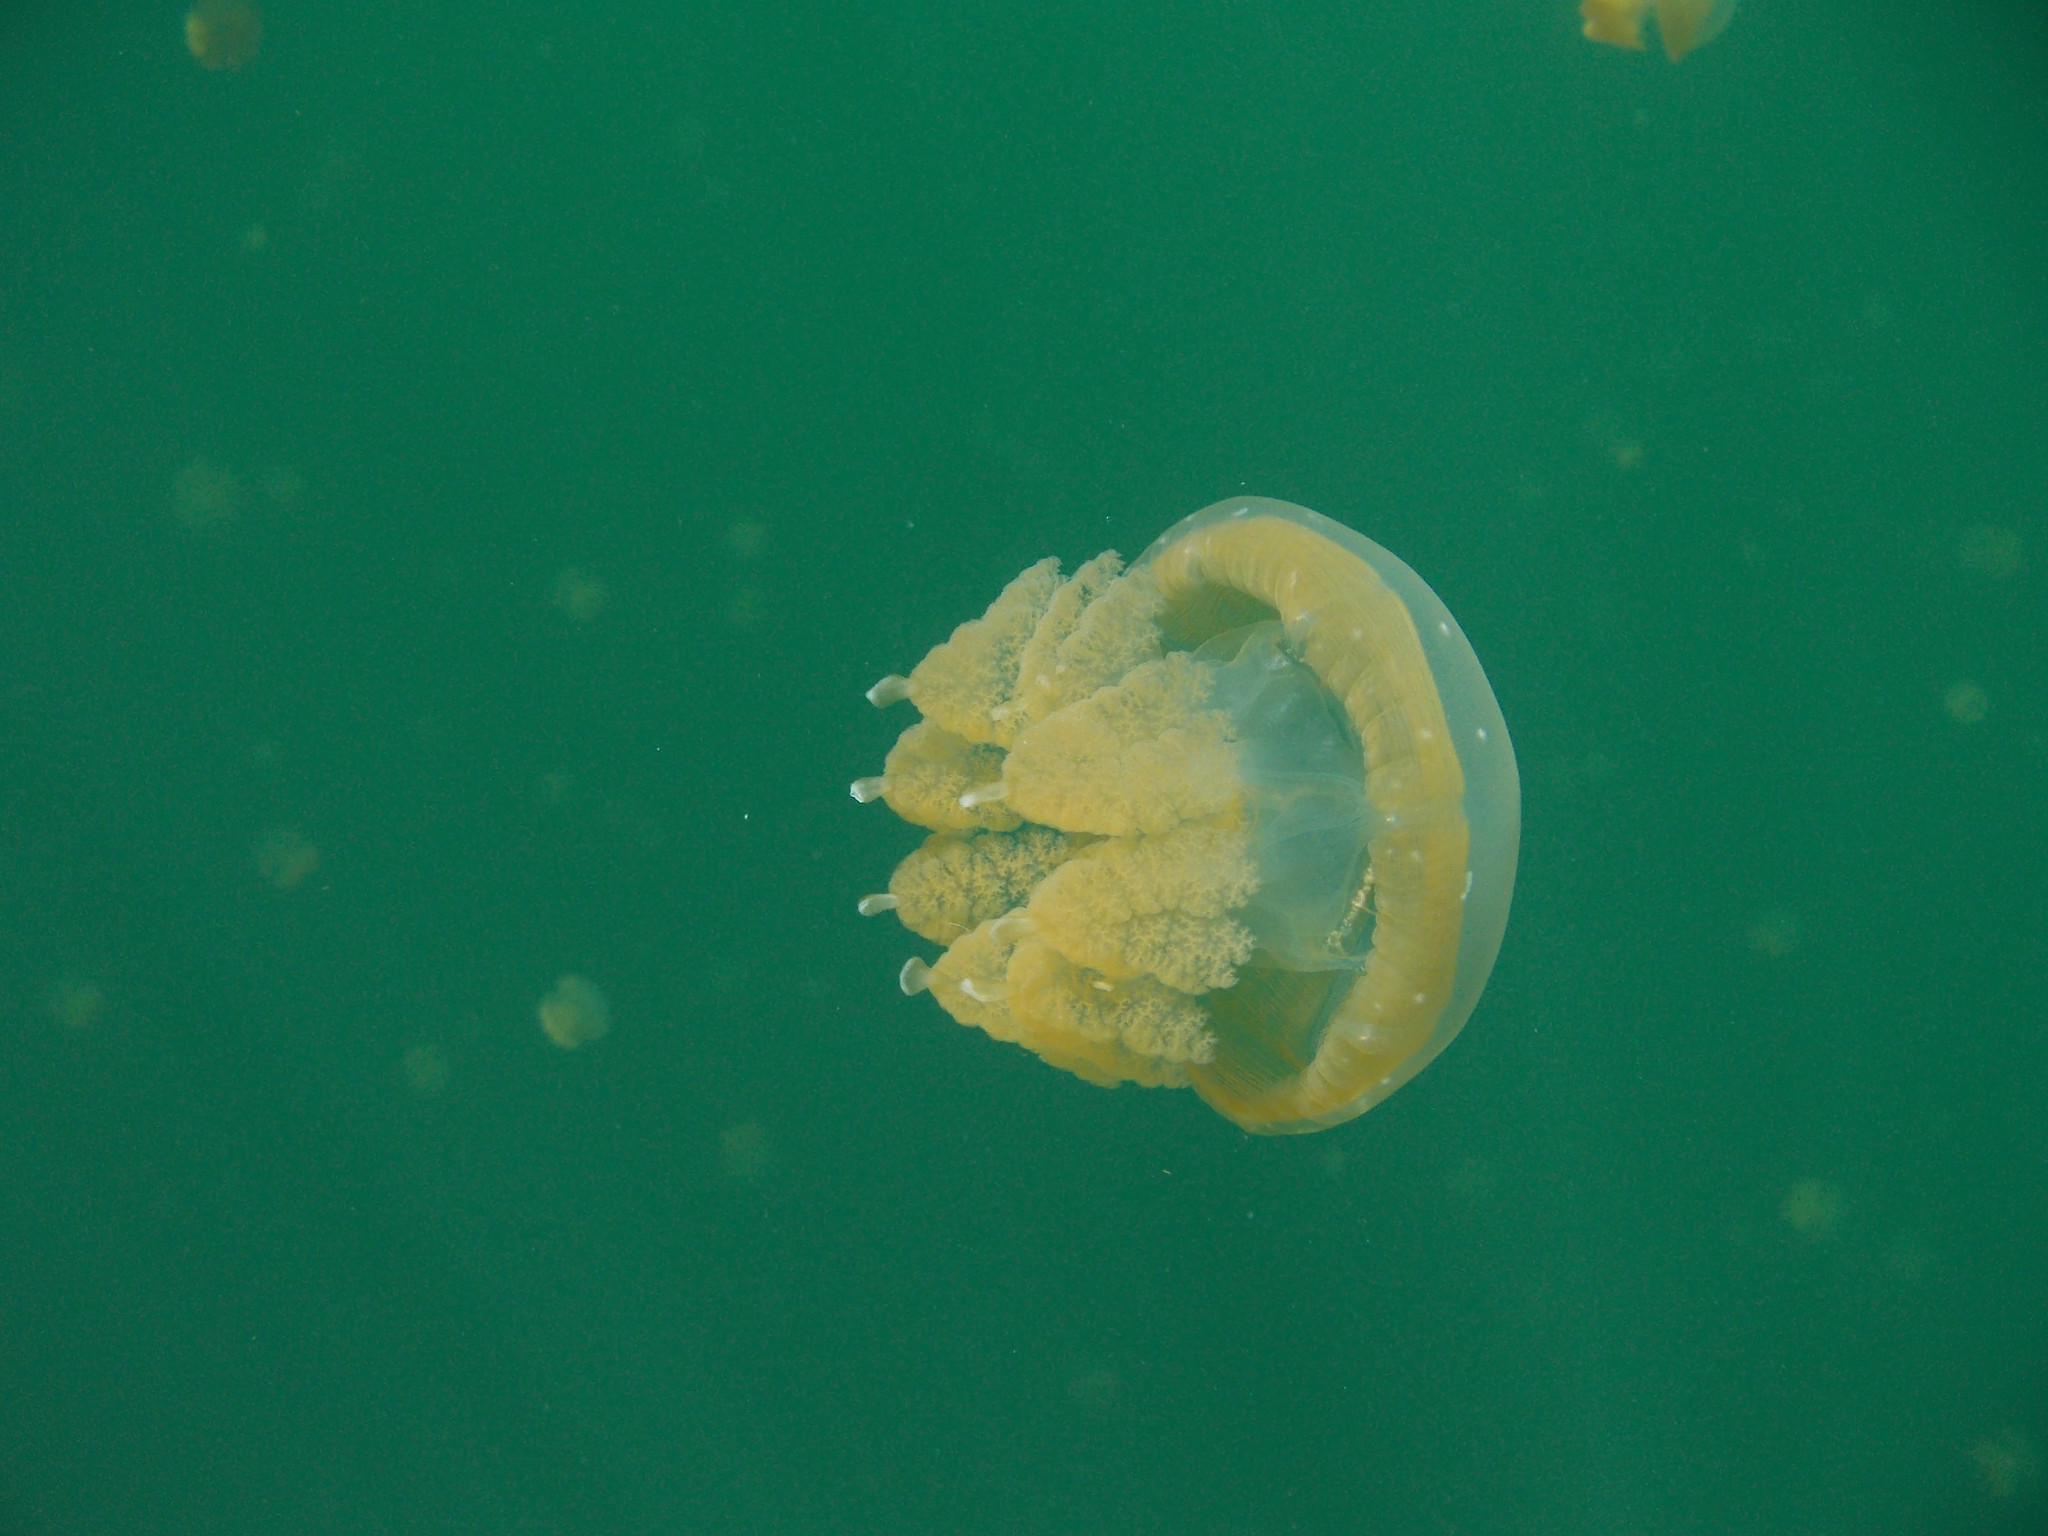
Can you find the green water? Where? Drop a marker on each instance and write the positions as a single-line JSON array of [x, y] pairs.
[[465, 467]]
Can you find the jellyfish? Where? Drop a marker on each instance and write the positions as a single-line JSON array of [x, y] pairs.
[[1992, 550], [205, 496], [1966, 703], [2006, 1462], [75, 1002], [1812, 1208], [575, 1013], [1682, 25], [746, 1151], [285, 858], [580, 595], [223, 34], [1242, 817], [426, 1068]]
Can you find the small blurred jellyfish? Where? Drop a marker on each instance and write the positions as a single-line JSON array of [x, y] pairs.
[[1966, 703], [223, 34], [1811, 1208], [426, 1068], [205, 496], [1099, 1389], [1613, 442], [1775, 932], [746, 539], [285, 858], [745, 1151], [76, 1003], [580, 595], [575, 1013], [1990, 550], [2006, 1462]]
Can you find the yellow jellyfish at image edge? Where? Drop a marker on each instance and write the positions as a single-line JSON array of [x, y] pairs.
[[1242, 818], [1682, 25]]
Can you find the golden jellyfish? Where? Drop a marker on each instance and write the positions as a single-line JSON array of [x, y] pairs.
[[1966, 703], [1812, 1208], [575, 1013], [580, 595], [1991, 550], [223, 34], [746, 1151], [426, 1069], [76, 1003], [2006, 1462], [205, 496], [285, 858], [1242, 817], [1682, 25]]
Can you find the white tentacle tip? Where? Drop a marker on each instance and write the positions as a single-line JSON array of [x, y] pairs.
[[890, 690]]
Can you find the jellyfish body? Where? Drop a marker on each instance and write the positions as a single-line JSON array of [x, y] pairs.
[[223, 34], [575, 1013], [1242, 818], [1682, 25]]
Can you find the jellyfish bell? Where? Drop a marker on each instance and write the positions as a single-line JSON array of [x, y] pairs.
[[1242, 817], [576, 1013], [1682, 25], [223, 34]]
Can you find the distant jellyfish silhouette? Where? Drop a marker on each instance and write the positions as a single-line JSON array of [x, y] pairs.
[[426, 1068], [285, 858], [575, 1013], [76, 1003], [1243, 817], [1812, 1208], [2007, 1462], [223, 34], [580, 595], [205, 496]]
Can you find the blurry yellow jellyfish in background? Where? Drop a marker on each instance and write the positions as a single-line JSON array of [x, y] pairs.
[[745, 1151], [426, 1069], [1775, 931], [2006, 1462], [1682, 25], [285, 858], [1991, 550], [575, 1013], [1614, 442], [206, 496], [1099, 1389], [75, 1003], [223, 34], [1812, 1207], [1242, 818], [580, 595], [1966, 703]]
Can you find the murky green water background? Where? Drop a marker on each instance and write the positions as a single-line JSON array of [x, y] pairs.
[[457, 475]]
